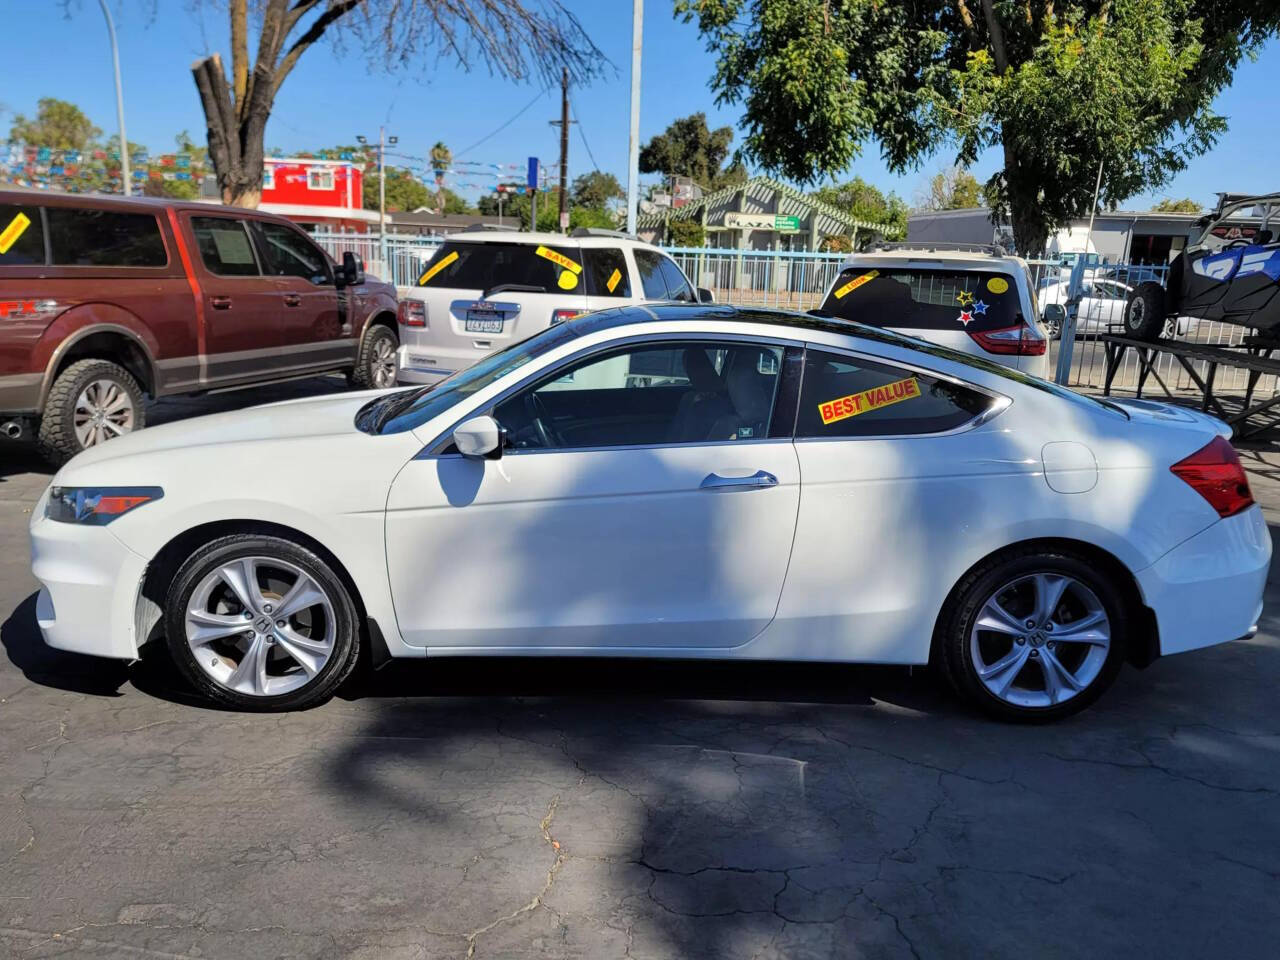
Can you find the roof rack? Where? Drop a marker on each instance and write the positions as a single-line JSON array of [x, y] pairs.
[[601, 232], [482, 227], [994, 249]]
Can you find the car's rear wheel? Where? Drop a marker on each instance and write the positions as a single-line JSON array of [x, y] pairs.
[[261, 623], [1034, 635], [1144, 314], [91, 402], [376, 367]]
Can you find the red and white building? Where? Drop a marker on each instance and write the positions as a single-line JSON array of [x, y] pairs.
[[325, 194]]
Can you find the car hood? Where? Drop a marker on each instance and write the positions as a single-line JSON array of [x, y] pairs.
[[289, 419]]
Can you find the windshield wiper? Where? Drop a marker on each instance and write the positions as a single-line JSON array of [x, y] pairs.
[[512, 288]]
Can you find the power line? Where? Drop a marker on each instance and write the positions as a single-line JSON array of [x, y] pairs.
[[582, 133], [505, 125]]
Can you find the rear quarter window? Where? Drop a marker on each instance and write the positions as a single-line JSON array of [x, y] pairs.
[[478, 266], [104, 238], [925, 299], [21, 235]]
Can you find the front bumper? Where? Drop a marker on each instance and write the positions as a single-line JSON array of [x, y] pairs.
[[1208, 589], [90, 582]]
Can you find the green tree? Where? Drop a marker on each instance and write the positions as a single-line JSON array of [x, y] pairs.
[[1185, 205], [689, 149], [1058, 88], [595, 189], [686, 233], [57, 124], [488, 204], [862, 201], [407, 192], [441, 160], [953, 189], [515, 39]]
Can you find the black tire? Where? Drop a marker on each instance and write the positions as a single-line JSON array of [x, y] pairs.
[[56, 439], [954, 649], [204, 561], [368, 361], [1144, 314]]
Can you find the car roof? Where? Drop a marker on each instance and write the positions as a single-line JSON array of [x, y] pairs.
[[110, 201], [541, 237], [925, 255]]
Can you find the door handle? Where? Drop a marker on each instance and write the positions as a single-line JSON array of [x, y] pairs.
[[292, 300], [758, 480], [220, 303]]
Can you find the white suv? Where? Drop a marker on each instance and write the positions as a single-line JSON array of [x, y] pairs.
[[485, 289], [975, 299]]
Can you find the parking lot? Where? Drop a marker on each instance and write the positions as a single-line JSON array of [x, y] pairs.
[[610, 809]]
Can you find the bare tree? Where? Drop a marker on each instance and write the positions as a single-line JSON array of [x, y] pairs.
[[515, 39]]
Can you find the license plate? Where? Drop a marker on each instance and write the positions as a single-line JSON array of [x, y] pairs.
[[483, 321]]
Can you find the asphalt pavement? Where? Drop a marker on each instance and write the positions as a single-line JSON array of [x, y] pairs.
[[615, 809]]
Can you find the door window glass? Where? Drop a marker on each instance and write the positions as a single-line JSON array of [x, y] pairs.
[[844, 396], [606, 272], [922, 299], [650, 266], [21, 235], [290, 254], [479, 266], [224, 246], [104, 238], [678, 287], [649, 394]]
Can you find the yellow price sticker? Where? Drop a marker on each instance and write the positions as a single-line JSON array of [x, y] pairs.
[[568, 280], [16, 228], [437, 267], [855, 283], [615, 278], [559, 259]]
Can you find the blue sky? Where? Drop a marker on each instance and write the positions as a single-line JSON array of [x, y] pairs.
[[330, 97]]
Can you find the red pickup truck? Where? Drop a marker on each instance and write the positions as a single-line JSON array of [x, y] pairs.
[[105, 301]]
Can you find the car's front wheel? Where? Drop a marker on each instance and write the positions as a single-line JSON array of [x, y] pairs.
[[376, 366], [261, 623], [1033, 635]]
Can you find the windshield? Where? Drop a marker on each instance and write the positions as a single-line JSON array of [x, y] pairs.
[[919, 298], [408, 409]]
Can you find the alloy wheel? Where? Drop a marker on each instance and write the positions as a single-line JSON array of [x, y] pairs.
[[382, 365], [103, 410], [1040, 640], [1137, 313], [260, 626]]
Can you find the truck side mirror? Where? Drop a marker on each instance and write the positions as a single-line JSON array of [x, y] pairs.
[[351, 273]]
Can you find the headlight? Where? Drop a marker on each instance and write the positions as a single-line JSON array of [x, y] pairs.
[[96, 505]]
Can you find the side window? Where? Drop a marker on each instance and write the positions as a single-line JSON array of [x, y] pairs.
[[654, 393], [678, 288], [104, 238], [290, 254], [650, 266], [21, 235], [225, 246], [844, 396], [606, 272]]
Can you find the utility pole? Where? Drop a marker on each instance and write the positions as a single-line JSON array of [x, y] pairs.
[[124, 141], [633, 159], [383, 140], [563, 124]]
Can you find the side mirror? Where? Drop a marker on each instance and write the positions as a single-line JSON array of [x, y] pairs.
[[705, 295], [351, 273], [480, 437]]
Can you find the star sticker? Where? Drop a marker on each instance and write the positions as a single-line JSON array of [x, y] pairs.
[[964, 298], [965, 317], [979, 309]]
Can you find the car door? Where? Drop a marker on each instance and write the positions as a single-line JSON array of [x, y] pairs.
[[642, 503], [316, 325], [242, 315]]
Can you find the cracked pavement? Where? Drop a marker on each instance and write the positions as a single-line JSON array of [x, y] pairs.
[[606, 809]]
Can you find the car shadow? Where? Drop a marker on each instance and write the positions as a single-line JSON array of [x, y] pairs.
[[40, 663]]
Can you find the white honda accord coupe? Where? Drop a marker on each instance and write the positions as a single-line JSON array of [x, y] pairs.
[[674, 481]]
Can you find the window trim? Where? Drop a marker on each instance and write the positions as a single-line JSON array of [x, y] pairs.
[[999, 401], [435, 449], [320, 173], [253, 247], [268, 176], [130, 270], [258, 233]]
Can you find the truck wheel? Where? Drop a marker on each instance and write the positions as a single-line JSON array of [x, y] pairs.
[[91, 402], [1144, 313], [376, 363]]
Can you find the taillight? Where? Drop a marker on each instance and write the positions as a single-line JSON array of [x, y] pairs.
[[1019, 340], [559, 316], [412, 313], [1214, 472]]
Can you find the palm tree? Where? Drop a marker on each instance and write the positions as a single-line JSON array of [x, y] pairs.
[[441, 158]]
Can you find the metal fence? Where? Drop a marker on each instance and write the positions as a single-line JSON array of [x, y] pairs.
[[798, 281]]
